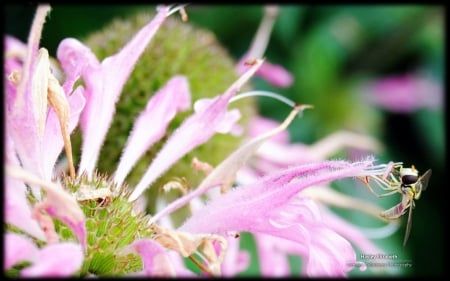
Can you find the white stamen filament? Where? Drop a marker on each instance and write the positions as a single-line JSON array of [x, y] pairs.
[[264, 94]]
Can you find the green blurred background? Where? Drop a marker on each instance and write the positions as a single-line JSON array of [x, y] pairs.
[[331, 51]]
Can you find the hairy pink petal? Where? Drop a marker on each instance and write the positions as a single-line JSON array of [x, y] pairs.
[[160, 110], [256, 208], [18, 248], [104, 83], [56, 260], [194, 131]]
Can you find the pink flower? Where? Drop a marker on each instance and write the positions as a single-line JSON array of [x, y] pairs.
[[282, 208]]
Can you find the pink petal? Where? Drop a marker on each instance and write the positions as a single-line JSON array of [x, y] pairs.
[[272, 254], [18, 248], [163, 106], [235, 260], [24, 111], [351, 233], [155, 260], [275, 75], [17, 208], [194, 131], [57, 202], [104, 83], [56, 260]]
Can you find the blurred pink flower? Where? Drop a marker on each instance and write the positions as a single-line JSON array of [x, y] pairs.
[[405, 93]]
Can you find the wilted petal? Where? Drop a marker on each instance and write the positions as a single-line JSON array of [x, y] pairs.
[[53, 136], [194, 131], [56, 260], [104, 83], [18, 248], [163, 106], [154, 257]]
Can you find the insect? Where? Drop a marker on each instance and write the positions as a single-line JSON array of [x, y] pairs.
[[409, 184]]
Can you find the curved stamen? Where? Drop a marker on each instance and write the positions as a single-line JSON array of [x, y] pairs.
[[264, 94]]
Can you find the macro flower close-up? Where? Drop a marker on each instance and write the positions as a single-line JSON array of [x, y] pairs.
[[147, 146]]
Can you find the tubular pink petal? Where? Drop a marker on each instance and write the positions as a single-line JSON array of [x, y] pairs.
[[104, 83], [261, 207], [56, 260], [253, 201], [25, 86], [18, 248], [154, 257], [194, 131], [163, 106]]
